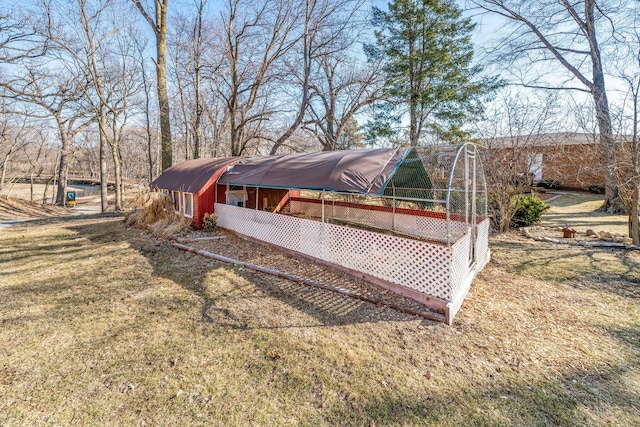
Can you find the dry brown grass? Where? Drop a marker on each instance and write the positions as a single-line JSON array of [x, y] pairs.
[[15, 209], [581, 211], [103, 325], [155, 212]]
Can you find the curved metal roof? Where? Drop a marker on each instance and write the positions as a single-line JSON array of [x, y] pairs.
[[191, 175], [359, 171]]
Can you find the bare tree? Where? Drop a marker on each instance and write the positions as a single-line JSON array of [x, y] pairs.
[[156, 17], [254, 37], [140, 44], [324, 69], [93, 40], [340, 91], [12, 129], [629, 122], [513, 136], [18, 40], [565, 33], [57, 95], [196, 50], [34, 158]]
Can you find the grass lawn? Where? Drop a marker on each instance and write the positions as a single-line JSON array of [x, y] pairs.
[[580, 211], [102, 325]]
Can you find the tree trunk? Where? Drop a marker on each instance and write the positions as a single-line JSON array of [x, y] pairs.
[[163, 98], [607, 141], [31, 186], [635, 229], [3, 176], [148, 123], [104, 200], [197, 131], [63, 165], [117, 166]]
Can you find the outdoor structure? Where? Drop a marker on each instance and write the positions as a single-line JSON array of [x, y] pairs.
[[191, 185], [412, 220], [574, 160]]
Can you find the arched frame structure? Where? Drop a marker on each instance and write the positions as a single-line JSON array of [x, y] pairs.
[[413, 220]]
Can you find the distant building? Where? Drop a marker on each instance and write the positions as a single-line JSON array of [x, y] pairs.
[[573, 160]]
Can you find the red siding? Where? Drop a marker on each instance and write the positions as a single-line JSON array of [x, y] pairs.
[[203, 200]]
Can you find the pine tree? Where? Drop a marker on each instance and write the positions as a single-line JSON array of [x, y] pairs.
[[430, 79]]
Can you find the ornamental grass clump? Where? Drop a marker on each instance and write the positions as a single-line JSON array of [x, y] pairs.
[[156, 213]]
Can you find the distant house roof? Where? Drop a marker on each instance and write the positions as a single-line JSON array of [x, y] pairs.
[[360, 171], [192, 175], [540, 140]]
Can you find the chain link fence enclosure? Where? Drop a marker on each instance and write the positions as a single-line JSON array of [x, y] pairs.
[[426, 229]]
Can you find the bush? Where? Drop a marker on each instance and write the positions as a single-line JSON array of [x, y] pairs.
[[529, 211], [209, 222]]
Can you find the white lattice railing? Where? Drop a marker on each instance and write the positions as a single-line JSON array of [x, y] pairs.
[[428, 227], [435, 270]]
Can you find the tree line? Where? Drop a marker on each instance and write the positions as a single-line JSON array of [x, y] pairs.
[[252, 77], [138, 85]]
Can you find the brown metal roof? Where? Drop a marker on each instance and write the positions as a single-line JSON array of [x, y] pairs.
[[360, 171], [191, 176]]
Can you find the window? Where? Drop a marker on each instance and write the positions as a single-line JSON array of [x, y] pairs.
[[535, 166], [236, 196], [175, 196], [188, 205]]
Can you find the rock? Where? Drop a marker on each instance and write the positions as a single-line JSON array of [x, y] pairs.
[[590, 232]]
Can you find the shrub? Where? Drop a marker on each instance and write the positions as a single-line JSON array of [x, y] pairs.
[[209, 222], [529, 210]]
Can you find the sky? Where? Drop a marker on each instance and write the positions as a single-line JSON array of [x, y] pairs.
[[488, 28]]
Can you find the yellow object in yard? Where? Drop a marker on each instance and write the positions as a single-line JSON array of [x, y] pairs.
[[70, 200]]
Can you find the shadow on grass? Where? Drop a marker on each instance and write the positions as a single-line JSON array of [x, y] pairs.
[[601, 269], [193, 273], [563, 400], [542, 397], [595, 220]]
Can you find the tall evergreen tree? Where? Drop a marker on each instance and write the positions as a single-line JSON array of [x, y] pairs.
[[430, 79]]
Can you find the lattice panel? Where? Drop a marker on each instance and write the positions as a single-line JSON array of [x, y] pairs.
[[422, 266], [482, 242], [419, 226], [460, 270], [418, 265]]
